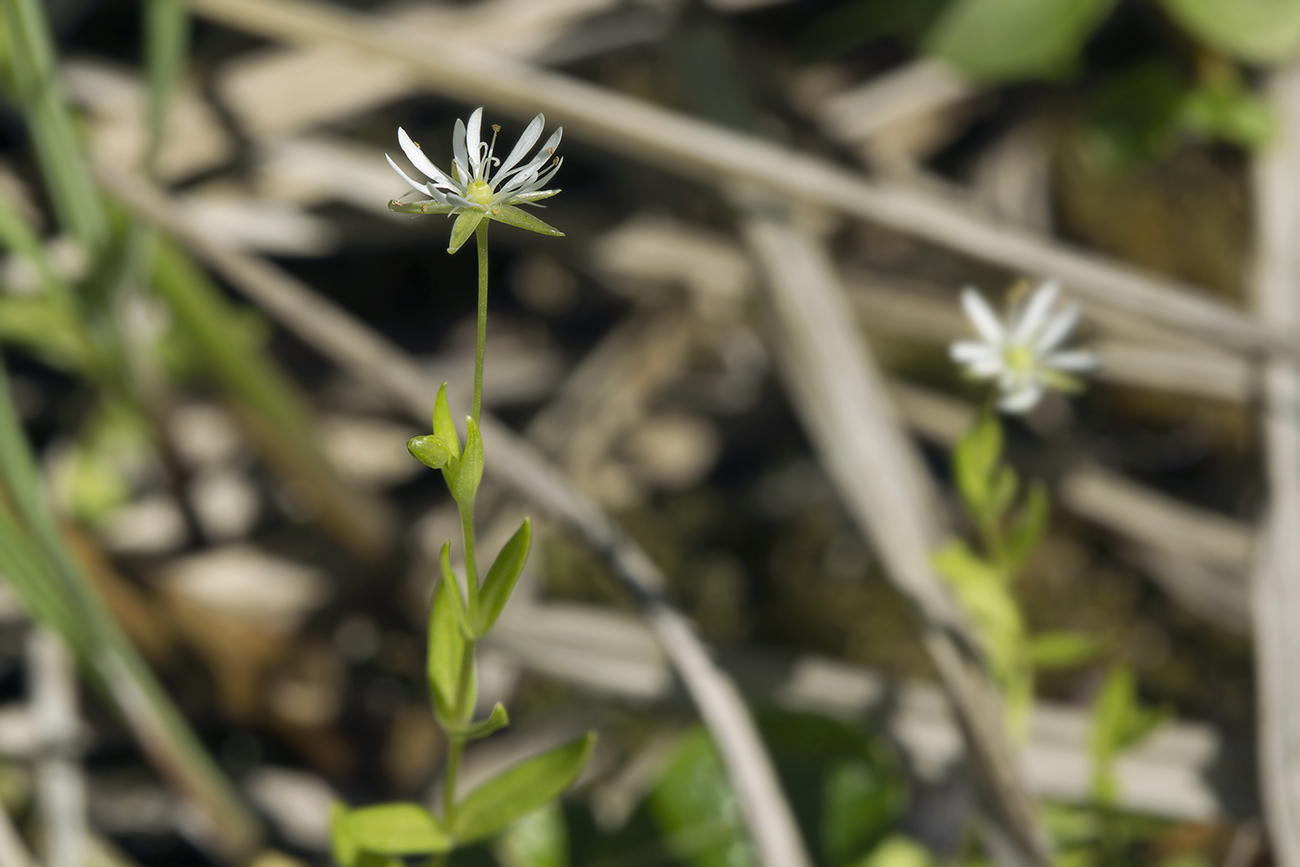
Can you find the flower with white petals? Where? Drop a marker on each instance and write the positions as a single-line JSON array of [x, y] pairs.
[[1022, 351], [480, 185]]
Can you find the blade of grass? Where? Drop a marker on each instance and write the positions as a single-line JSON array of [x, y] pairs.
[[102, 646], [33, 74], [166, 32]]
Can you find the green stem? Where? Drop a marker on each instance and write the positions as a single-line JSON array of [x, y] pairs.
[[471, 561], [480, 235]]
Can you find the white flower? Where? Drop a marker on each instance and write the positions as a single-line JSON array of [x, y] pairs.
[[472, 190], [1021, 353]]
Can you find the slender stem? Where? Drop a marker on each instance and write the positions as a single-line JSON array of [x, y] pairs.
[[471, 560], [481, 235]]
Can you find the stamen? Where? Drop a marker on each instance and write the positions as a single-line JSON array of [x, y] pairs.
[[487, 165]]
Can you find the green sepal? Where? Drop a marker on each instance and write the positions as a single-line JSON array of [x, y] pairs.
[[447, 650], [430, 451], [496, 721], [466, 223], [426, 207], [396, 829], [521, 219], [443, 427], [527, 786], [501, 578], [464, 484]]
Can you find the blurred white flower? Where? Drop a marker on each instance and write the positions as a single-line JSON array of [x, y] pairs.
[[1022, 351], [480, 185]]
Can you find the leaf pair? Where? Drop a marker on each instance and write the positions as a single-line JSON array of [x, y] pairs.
[[380, 836], [467, 221], [454, 626], [1119, 722], [441, 451]]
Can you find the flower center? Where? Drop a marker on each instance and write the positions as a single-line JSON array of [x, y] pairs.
[[1019, 359], [479, 192]]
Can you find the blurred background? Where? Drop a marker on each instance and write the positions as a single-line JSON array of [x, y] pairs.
[[199, 254]]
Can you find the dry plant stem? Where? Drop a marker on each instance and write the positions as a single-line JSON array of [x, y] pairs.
[[1276, 585], [714, 155], [13, 851], [373, 359], [60, 785], [842, 401]]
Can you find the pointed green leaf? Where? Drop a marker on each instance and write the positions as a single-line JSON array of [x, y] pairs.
[[540, 839], [466, 223], [449, 578], [465, 485], [443, 427], [521, 790], [346, 851], [427, 207], [1064, 649], [496, 721], [1028, 528], [501, 578], [974, 460], [429, 450], [1259, 31], [447, 651], [521, 219], [997, 40], [397, 829]]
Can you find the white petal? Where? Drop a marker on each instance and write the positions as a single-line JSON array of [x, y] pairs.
[[526, 141], [981, 316], [421, 188], [1078, 361], [1036, 312], [461, 155], [419, 160], [1057, 329], [474, 142], [1022, 399], [969, 351], [540, 158]]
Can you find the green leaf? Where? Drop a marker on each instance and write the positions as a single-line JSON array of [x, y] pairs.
[[1119, 722], [1028, 528], [496, 721], [430, 451], [443, 427], [540, 839], [449, 578], [465, 225], [1004, 485], [999, 40], [521, 790], [346, 851], [470, 472], [1259, 31], [447, 652], [898, 851], [501, 578], [983, 593], [1057, 650], [695, 803], [975, 458], [521, 219], [426, 207], [397, 829], [1227, 111]]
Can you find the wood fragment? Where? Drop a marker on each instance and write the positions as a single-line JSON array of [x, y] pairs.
[[1276, 585]]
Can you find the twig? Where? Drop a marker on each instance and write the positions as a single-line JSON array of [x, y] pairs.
[[371, 358], [1277, 571], [841, 399], [711, 154], [60, 785]]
